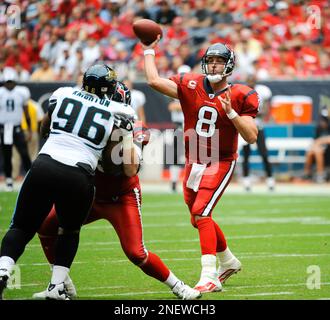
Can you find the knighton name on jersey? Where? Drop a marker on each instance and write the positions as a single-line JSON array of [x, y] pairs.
[[81, 124]]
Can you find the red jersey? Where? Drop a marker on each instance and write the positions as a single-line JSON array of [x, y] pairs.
[[115, 184], [209, 134], [109, 186]]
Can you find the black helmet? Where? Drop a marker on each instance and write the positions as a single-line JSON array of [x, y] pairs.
[[122, 94], [220, 50], [101, 80]]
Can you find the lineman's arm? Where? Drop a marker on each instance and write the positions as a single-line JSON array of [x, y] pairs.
[[123, 134], [130, 163], [163, 85], [45, 126]]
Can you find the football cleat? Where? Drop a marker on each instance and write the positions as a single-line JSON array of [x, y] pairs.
[[42, 295], [57, 292], [229, 268], [69, 287], [184, 292], [4, 276], [208, 284]]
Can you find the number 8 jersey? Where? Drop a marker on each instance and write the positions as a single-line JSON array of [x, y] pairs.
[[209, 134], [81, 124]]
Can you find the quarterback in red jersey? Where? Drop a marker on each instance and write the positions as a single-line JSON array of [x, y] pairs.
[[215, 112], [118, 200]]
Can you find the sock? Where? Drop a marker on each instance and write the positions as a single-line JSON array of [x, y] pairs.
[[225, 256], [171, 280], [247, 183], [221, 240], [66, 249], [155, 267], [209, 265], [48, 244], [7, 263], [270, 182], [59, 275], [207, 236]]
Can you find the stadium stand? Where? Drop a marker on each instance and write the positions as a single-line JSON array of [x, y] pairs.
[[275, 39], [285, 43]]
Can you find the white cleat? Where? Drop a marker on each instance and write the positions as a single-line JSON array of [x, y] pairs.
[[229, 268], [208, 284], [184, 292], [40, 295], [69, 287], [57, 292]]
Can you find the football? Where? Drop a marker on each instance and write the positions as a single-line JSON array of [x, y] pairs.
[[147, 30]]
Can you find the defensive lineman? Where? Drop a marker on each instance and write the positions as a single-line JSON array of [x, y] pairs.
[[79, 123]]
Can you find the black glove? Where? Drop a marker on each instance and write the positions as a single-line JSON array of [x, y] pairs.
[[124, 123]]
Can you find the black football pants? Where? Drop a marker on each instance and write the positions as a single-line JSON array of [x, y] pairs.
[[261, 144], [48, 183]]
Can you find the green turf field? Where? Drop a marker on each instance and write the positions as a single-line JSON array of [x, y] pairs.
[[282, 241]]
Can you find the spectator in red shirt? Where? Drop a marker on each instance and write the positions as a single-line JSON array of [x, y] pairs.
[[15, 56], [176, 34]]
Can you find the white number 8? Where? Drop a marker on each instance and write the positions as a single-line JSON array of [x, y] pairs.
[[209, 132]]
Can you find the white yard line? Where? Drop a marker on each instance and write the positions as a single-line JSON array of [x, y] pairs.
[[242, 256], [243, 237]]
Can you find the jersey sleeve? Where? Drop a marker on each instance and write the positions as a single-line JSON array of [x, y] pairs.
[[25, 92], [180, 79], [54, 98], [52, 101], [250, 104]]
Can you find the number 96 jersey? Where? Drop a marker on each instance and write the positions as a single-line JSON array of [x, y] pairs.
[[209, 135], [81, 124]]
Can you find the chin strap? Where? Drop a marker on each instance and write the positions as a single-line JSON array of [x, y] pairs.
[[214, 77]]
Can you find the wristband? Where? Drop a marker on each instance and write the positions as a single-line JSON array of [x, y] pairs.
[[232, 114], [128, 142], [149, 51]]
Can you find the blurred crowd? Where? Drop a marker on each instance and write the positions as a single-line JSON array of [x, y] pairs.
[[58, 39]]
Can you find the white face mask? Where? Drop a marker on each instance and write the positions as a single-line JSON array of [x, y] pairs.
[[214, 78]]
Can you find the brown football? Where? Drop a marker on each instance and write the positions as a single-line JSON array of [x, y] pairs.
[[147, 30]]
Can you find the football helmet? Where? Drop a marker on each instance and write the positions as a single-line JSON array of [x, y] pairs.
[[101, 80], [219, 50], [122, 94]]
